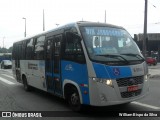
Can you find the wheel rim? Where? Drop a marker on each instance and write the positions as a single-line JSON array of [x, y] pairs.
[[74, 99]]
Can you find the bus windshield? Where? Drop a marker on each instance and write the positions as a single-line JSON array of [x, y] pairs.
[[109, 44]]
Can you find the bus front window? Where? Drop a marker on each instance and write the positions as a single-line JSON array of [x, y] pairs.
[[109, 44]]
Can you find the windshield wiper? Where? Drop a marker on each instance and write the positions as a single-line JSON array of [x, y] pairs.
[[134, 55], [114, 56]]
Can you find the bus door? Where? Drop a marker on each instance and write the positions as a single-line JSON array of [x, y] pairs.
[[53, 72]]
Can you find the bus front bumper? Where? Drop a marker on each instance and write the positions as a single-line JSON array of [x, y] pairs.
[[104, 95]]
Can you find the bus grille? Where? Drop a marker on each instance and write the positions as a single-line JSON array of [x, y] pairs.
[[130, 81], [130, 94], [124, 82]]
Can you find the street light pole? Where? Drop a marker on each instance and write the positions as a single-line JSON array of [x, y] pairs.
[[145, 29], [105, 17], [57, 24], [43, 21], [3, 41], [25, 27]]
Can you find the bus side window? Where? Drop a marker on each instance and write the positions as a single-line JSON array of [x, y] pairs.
[[23, 55], [73, 48], [39, 48], [49, 49], [29, 49]]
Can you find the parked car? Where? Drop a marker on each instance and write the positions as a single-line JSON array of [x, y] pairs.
[[6, 64], [151, 61]]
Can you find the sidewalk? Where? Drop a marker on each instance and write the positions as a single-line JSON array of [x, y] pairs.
[[154, 71]]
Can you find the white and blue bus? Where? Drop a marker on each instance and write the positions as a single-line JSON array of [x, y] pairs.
[[85, 63]]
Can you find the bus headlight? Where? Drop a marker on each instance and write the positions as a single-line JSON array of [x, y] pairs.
[[103, 81], [109, 82]]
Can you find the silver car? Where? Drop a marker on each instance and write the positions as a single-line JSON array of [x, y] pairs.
[[6, 64]]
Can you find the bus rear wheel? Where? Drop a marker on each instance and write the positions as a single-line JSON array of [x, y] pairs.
[[74, 100], [25, 83]]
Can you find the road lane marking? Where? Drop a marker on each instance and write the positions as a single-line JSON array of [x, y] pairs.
[[146, 105], [5, 70], [8, 76], [6, 81]]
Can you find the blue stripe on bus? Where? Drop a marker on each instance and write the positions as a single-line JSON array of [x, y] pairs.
[[77, 73], [56, 75], [48, 74], [52, 74], [111, 72]]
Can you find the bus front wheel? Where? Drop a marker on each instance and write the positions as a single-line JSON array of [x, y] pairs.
[[74, 100]]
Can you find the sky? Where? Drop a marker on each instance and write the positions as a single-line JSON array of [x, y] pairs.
[[126, 13]]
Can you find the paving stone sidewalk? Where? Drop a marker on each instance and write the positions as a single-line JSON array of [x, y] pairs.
[[154, 71]]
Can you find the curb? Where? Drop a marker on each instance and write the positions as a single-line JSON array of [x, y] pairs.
[[154, 76]]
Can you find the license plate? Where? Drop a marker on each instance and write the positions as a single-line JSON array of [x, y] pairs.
[[132, 88]]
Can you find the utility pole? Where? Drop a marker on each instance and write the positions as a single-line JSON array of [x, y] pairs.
[[145, 29], [43, 21], [3, 41], [25, 27], [105, 17]]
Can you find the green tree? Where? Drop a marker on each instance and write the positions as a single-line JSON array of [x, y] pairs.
[[5, 50], [10, 49]]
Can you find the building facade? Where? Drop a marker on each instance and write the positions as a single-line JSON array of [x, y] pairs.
[[152, 44]]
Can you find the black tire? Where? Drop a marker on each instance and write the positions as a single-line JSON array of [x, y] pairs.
[[26, 86], [2, 66], [155, 64], [74, 100]]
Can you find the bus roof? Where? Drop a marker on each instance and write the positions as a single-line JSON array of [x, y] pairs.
[[79, 23], [86, 23]]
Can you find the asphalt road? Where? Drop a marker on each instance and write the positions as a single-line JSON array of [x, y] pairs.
[[14, 98]]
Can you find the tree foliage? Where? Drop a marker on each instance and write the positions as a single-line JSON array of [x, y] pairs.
[[5, 50]]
